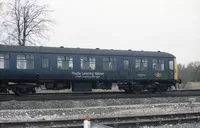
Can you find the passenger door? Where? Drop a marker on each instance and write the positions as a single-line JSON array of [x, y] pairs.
[[125, 69], [46, 67], [141, 68]]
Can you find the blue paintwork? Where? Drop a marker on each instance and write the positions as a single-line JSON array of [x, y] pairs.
[[54, 73]]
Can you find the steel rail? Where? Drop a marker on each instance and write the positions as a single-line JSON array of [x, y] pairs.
[[116, 122], [95, 95]]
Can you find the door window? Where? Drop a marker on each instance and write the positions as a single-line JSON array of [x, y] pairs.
[[126, 64], [45, 62]]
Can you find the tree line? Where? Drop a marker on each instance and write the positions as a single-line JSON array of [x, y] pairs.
[[189, 72]]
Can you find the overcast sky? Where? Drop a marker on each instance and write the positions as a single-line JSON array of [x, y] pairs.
[[166, 25]]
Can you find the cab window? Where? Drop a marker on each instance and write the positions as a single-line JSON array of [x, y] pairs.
[[171, 65]]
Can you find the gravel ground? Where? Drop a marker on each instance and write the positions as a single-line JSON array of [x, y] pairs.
[[106, 111], [46, 110], [8, 105], [185, 125]]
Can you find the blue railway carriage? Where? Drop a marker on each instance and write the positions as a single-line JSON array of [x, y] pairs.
[[22, 68]]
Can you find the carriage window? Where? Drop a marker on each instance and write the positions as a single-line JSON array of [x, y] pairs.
[[64, 62], [88, 63], [4, 61], [141, 64], [126, 64], [158, 65], [109, 63], [25, 62], [171, 65], [45, 62]]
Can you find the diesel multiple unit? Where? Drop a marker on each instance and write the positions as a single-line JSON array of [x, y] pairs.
[[23, 68]]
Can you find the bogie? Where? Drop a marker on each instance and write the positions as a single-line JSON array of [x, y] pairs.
[[23, 91]]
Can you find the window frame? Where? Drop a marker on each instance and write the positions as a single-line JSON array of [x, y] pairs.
[[109, 61], [90, 61], [48, 63], [160, 62], [27, 58], [5, 59], [142, 63], [171, 65], [128, 64], [65, 58]]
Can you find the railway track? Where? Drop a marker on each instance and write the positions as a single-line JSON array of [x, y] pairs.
[[117, 122], [95, 95]]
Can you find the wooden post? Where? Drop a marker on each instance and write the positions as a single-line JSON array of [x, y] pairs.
[[86, 122]]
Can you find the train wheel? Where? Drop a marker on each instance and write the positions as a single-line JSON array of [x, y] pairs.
[[152, 90], [162, 88], [128, 90], [33, 91], [21, 91], [137, 89]]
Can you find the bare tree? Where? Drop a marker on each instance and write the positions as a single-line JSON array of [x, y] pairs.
[[26, 22], [1, 6]]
